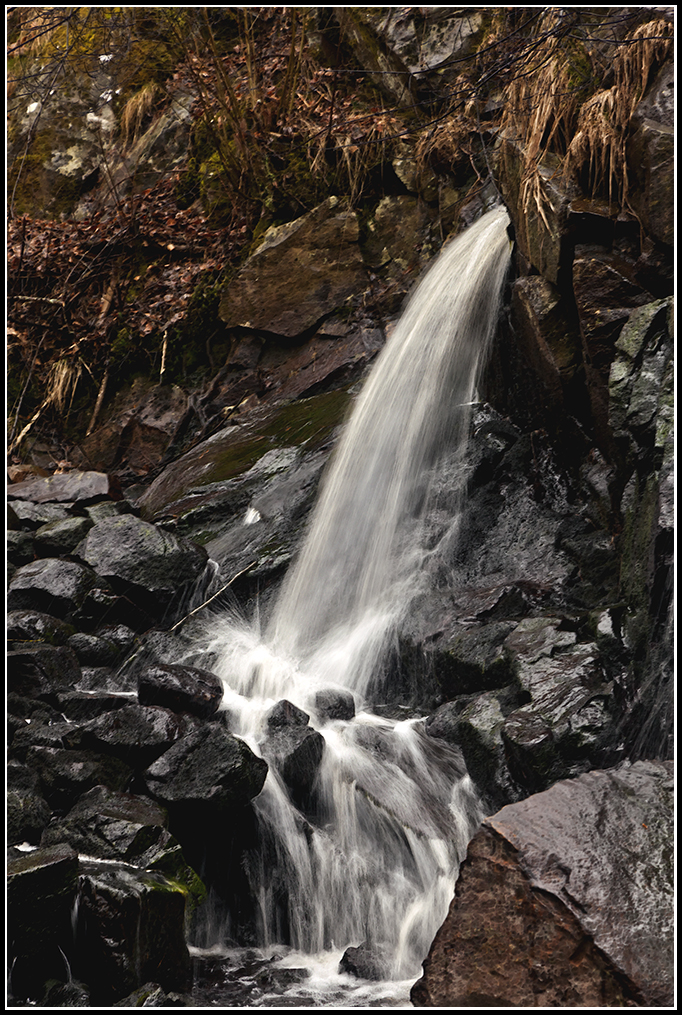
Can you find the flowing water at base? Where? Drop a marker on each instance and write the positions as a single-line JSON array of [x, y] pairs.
[[370, 856]]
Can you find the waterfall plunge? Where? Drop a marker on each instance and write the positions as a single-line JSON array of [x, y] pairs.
[[393, 808]]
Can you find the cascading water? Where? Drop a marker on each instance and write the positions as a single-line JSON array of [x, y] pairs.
[[373, 857]]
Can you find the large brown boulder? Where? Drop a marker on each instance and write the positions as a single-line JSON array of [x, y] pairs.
[[564, 900], [301, 272]]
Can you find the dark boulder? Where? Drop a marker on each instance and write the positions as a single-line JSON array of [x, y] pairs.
[[52, 586], [41, 670], [109, 825], [79, 706], [300, 272], [20, 548], [61, 537], [137, 734], [93, 650], [41, 892], [365, 962], [27, 811], [334, 703], [180, 688], [31, 516], [651, 157], [65, 774], [30, 625], [284, 713], [474, 724], [140, 561], [131, 929], [295, 752], [474, 661], [207, 770]]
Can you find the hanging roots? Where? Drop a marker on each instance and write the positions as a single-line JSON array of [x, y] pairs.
[[597, 150]]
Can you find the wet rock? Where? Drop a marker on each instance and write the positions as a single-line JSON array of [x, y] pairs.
[[137, 437], [66, 995], [49, 733], [260, 445], [399, 236], [61, 537], [79, 706], [131, 929], [29, 708], [101, 605], [180, 688], [474, 661], [606, 292], [32, 516], [475, 726], [585, 868], [66, 774], [284, 713], [95, 679], [27, 815], [365, 962], [138, 734], [207, 770], [541, 238], [41, 892], [20, 548], [638, 390], [52, 586], [154, 647], [567, 724], [296, 752], [141, 561], [335, 703], [300, 272], [40, 670], [111, 825], [30, 625], [151, 995], [403, 48], [74, 487], [552, 349], [92, 650], [27, 811]]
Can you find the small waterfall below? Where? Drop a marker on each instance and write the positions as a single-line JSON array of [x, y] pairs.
[[370, 855]]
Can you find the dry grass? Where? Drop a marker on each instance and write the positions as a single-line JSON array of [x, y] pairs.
[[597, 151], [136, 111], [548, 110], [62, 382], [541, 111]]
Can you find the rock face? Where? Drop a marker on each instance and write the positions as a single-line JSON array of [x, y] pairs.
[[548, 908], [299, 274]]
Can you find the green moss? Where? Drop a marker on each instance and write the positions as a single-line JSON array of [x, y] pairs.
[[310, 422], [31, 181], [172, 864]]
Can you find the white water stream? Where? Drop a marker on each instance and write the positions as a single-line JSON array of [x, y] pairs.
[[375, 857]]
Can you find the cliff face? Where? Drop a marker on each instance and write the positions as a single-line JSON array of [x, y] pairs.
[[216, 219]]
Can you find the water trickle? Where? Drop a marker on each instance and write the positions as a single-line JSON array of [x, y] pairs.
[[370, 855]]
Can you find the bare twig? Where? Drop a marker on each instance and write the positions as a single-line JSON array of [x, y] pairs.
[[214, 596]]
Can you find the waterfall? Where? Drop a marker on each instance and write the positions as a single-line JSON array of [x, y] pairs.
[[371, 856]]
